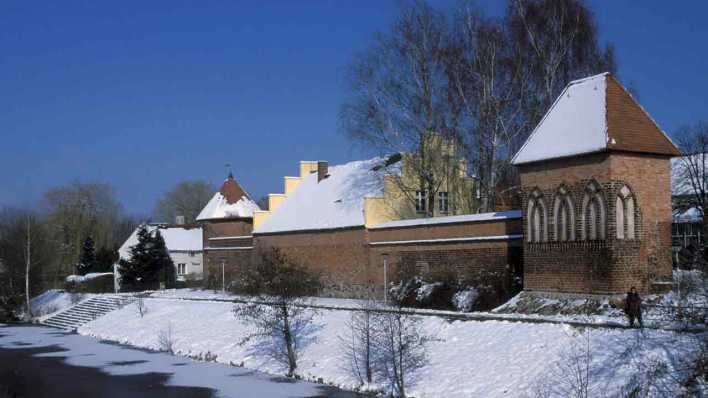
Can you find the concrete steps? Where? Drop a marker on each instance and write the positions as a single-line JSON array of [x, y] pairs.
[[86, 311]]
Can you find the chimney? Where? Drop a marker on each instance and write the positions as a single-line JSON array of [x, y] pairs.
[[179, 220], [322, 169]]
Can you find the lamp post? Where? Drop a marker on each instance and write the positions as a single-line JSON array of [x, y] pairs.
[[385, 277], [223, 277]]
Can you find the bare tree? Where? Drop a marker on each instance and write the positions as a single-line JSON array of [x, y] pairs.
[[571, 375], [283, 324], [399, 348], [186, 198], [75, 211], [28, 263], [166, 339], [140, 306], [357, 344], [690, 177], [558, 42], [398, 101], [24, 253], [487, 83]]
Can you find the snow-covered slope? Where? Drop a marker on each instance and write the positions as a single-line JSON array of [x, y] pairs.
[[335, 202], [468, 358]]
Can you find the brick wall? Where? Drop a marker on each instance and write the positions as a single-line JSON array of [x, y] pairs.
[[218, 250], [341, 256], [609, 265]]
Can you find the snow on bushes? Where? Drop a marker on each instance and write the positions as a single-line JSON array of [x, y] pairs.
[[78, 279], [464, 300]]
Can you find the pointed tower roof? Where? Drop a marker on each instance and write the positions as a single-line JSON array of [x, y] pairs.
[[230, 202], [594, 114]]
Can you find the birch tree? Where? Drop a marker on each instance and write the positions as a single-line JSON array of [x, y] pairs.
[[487, 83], [398, 99], [557, 41]]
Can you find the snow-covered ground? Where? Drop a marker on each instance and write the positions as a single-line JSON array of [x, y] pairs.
[[469, 358], [53, 300]]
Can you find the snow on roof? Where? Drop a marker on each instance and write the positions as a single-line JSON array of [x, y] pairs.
[[230, 201], [218, 207], [335, 202], [591, 115], [692, 214], [176, 239], [576, 123], [500, 215]]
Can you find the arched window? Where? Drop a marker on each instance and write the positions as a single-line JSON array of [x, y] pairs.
[[536, 212], [563, 216], [593, 213], [624, 213]]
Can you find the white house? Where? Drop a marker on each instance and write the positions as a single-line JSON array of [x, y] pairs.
[[184, 244]]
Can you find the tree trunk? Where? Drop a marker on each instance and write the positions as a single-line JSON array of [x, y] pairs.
[[292, 364], [368, 346], [27, 270]]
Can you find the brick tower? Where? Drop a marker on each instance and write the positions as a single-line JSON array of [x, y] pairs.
[[596, 200]]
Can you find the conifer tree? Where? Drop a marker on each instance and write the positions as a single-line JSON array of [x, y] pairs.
[[161, 260], [149, 263], [134, 272], [87, 261]]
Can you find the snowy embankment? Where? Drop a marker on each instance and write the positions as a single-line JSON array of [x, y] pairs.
[[469, 358], [52, 301]]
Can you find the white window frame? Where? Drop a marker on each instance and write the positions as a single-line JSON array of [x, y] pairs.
[[420, 201], [444, 202]]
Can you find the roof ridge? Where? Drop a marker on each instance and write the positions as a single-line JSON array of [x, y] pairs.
[[584, 79]]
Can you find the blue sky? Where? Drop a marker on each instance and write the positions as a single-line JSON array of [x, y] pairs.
[[145, 94]]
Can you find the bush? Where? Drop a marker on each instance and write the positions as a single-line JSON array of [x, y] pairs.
[[443, 289]]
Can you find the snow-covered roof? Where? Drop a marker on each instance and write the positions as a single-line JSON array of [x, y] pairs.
[[230, 202], [592, 115], [692, 214], [176, 239], [334, 202], [218, 207], [500, 215]]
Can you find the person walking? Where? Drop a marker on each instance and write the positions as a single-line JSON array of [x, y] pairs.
[[633, 307]]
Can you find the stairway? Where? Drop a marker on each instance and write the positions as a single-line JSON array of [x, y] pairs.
[[86, 311]]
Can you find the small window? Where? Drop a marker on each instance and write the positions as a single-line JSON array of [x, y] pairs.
[[443, 204], [420, 201], [181, 269]]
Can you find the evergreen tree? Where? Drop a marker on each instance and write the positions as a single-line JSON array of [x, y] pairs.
[[87, 261], [162, 261], [135, 273], [149, 263], [105, 258]]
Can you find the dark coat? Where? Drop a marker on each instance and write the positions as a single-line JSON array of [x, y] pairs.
[[633, 304]]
